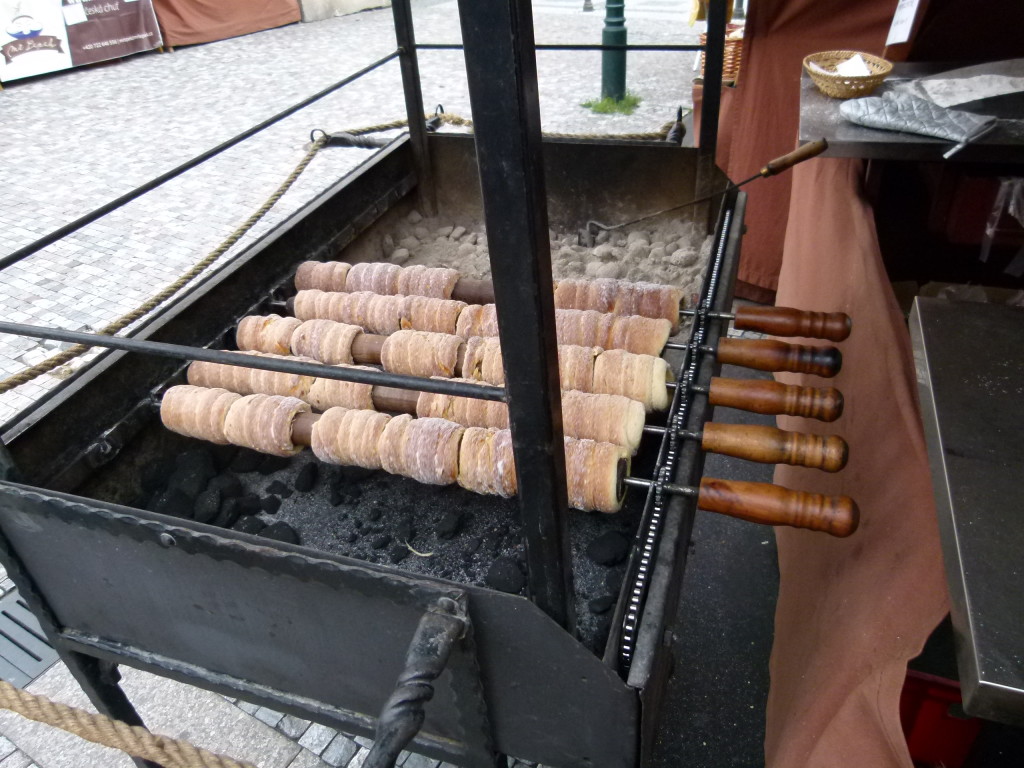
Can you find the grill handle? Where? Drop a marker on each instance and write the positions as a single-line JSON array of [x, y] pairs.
[[798, 155], [770, 445], [787, 321], [771, 355], [774, 505], [773, 398]]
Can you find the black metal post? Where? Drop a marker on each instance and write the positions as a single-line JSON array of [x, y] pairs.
[[502, 74], [613, 63], [406, 38], [714, 54]]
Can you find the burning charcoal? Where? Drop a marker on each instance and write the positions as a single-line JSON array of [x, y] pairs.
[[504, 575], [472, 545], [207, 505], [609, 548], [228, 485], [223, 455], [271, 464], [228, 515], [172, 502], [249, 504], [379, 541], [249, 524], [405, 530], [398, 552], [601, 604], [281, 531], [307, 477], [198, 461], [246, 461], [270, 504], [154, 476], [188, 481], [279, 489], [449, 525]]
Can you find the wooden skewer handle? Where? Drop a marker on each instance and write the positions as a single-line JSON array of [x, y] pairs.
[[771, 355], [786, 321], [769, 445], [774, 505], [773, 398], [798, 155]]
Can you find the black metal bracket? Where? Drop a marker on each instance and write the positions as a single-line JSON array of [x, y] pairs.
[[441, 627]]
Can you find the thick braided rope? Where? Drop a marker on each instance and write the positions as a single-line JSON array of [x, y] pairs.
[[47, 365], [453, 119], [132, 739]]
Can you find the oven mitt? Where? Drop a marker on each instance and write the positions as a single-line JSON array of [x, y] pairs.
[[911, 114]]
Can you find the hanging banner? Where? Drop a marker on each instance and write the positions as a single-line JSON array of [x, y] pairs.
[[41, 36], [33, 39], [111, 29]]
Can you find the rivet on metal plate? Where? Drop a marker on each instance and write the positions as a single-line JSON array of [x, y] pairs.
[[166, 540]]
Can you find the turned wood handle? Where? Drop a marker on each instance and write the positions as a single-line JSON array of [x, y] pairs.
[[366, 348], [775, 505], [771, 355], [769, 445], [786, 321], [798, 155], [773, 398]]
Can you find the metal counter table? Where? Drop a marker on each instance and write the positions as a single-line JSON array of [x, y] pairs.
[[970, 372], [819, 117]]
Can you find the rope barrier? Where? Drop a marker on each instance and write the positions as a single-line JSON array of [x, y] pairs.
[[99, 729], [61, 358]]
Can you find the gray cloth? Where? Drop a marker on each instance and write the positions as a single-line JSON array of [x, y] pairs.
[[908, 113]]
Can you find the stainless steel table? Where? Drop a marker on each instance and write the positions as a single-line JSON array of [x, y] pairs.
[[970, 372]]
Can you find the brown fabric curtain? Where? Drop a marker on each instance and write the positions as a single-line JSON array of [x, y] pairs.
[[852, 612], [185, 22], [760, 117]]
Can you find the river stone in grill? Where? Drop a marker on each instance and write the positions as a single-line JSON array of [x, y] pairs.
[[281, 531], [504, 575], [307, 477], [610, 548], [207, 505], [270, 504], [229, 486], [246, 461], [249, 524]]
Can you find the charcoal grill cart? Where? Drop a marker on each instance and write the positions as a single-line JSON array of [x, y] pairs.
[[319, 634]]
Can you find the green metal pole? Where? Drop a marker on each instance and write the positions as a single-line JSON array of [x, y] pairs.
[[613, 63]]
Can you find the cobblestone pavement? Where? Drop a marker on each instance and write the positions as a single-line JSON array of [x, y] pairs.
[[78, 139]]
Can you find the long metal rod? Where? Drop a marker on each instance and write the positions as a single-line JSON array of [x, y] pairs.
[[162, 349], [569, 47], [714, 55], [502, 75], [406, 37], [25, 251]]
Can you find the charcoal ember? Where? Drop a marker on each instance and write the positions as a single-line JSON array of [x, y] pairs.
[[271, 464], [246, 461], [373, 513], [305, 481], [172, 502], [349, 537], [279, 489], [281, 531], [223, 455], [250, 504], [601, 604], [353, 474], [613, 581], [472, 545], [405, 531], [397, 553], [610, 548], [207, 506], [379, 541], [154, 476], [504, 575], [359, 524], [249, 524], [229, 486], [449, 525], [342, 493], [228, 515], [270, 504], [198, 461], [189, 481]]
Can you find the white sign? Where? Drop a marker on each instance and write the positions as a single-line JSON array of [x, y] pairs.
[[74, 14], [902, 22]]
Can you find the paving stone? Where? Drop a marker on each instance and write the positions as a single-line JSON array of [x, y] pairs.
[[6, 747], [306, 759], [292, 727], [360, 758], [317, 737], [340, 751], [248, 707], [16, 760], [268, 716], [416, 760], [363, 741]]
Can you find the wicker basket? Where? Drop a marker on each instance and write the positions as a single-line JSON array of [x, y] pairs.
[[733, 56], [842, 86]]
